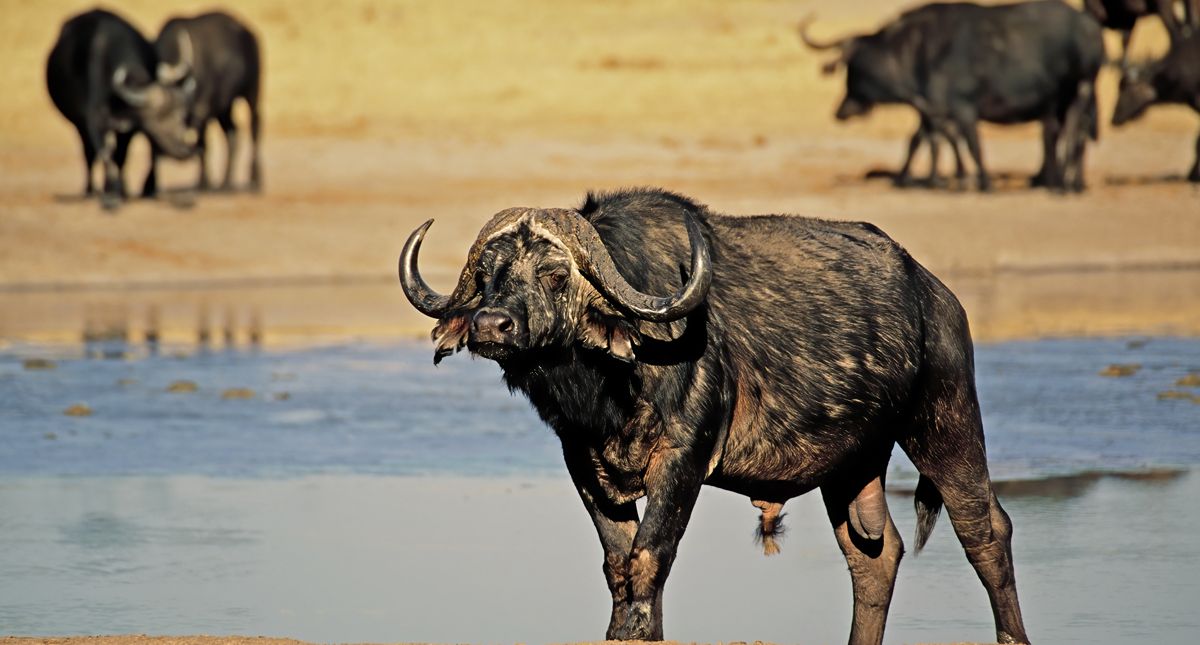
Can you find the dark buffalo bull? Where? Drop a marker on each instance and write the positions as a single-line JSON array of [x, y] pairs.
[[222, 56], [790, 354], [1122, 15], [1173, 79], [960, 63], [101, 76]]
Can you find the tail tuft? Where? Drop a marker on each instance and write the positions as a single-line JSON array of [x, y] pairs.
[[770, 526], [928, 501]]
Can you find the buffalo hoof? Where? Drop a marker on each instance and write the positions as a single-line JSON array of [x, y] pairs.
[[903, 181], [639, 625], [985, 184], [110, 201], [1194, 176]]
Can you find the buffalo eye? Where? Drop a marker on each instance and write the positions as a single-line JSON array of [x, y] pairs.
[[555, 280]]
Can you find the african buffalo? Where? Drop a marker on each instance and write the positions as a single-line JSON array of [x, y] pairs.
[[100, 75], [959, 63], [791, 354], [1173, 79], [222, 55]]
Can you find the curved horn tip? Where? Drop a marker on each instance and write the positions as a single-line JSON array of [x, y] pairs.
[[418, 292], [693, 293]]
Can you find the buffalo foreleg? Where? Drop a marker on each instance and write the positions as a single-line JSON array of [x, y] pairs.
[[89, 160], [903, 176], [673, 482], [616, 525], [873, 563], [202, 181], [150, 186]]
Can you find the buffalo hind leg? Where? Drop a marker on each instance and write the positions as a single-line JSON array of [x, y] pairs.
[[231, 138], [874, 562], [946, 445]]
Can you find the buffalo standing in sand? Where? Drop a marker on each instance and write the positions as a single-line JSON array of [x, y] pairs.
[[790, 354], [222, 56], [101, 77]]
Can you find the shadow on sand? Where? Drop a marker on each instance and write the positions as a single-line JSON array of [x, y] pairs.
[[181, 197], [1071, 486], [1146, 180], [1002, 182]]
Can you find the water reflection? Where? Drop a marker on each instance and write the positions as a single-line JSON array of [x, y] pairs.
[[385, 559]]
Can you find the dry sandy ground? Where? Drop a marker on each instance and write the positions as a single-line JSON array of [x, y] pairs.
[[380, 115], [141, 639]]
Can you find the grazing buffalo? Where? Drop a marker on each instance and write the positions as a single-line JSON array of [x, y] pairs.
[[1173, 79], [788, 354], [101, 76], [222, 56], [959, 63], [1122, 15]]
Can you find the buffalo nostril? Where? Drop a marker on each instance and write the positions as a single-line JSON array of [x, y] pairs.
[[493, 323]]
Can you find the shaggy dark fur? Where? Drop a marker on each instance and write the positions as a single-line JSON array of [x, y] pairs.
[[821, 344]]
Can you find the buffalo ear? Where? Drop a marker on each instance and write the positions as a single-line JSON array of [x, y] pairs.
[[621, 340], [449, 336], [611, 333]]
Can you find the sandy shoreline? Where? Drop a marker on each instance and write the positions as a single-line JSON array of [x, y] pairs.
[[441, 118]]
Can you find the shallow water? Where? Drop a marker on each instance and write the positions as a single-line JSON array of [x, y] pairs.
[[386, 409], [388, 500]]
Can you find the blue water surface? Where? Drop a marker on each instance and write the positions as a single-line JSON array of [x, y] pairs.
[[384, 408]]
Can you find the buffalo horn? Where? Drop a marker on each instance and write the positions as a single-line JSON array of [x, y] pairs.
[[598, 266], [132, 96]]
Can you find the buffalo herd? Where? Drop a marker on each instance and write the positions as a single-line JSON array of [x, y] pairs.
[[958, 63], [954, 63], [110, 82]]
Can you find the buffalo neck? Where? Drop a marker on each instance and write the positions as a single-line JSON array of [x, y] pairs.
[[579, 393]]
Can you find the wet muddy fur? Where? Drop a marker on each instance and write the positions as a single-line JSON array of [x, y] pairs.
[[820, 345]]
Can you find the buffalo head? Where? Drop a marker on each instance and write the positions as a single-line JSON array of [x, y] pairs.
[[1136, 94], [161, 110], [875, 73], [539, 279]]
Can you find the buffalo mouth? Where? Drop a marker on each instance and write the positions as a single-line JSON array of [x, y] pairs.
[[492, 350]]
